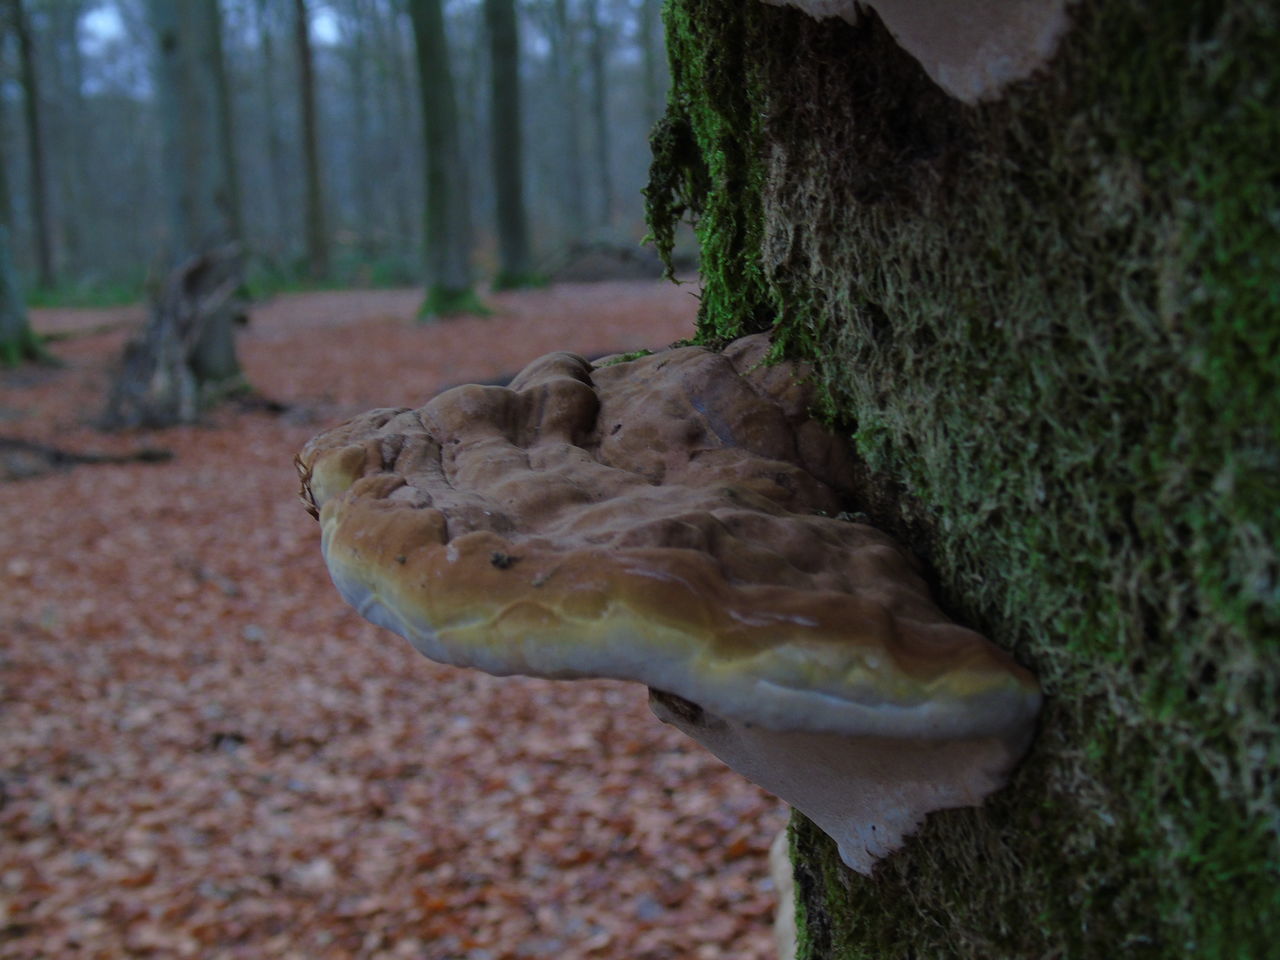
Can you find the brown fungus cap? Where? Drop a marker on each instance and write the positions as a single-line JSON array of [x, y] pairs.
[[670, 520]]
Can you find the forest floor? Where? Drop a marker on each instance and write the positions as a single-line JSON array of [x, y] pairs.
[[205, 753]]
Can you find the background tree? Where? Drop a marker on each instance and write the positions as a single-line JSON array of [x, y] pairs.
[[102, 131], [187, 351], [599, 56], [515, 266], [1052, 319], [650, 33], [447, 226], [317, 235], [276, 176], [567, 79], [70, 134], [17, 342], [35, 144]]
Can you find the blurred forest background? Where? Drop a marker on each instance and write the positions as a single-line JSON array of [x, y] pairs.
[[296, 128]]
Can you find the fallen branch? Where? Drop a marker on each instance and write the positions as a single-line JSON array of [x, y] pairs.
[[23, 459]]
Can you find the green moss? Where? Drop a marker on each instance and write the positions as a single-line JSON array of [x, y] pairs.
[[27, 346], [708, 162], [448, 302], [625, 358], [1054, 322], [519, 281]]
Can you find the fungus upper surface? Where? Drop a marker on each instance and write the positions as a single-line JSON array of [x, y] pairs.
[[671, 520]]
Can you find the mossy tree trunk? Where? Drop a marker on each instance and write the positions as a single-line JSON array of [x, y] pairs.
[[1053, 320]]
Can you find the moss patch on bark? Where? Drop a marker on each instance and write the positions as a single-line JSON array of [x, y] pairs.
[[1054, 321]]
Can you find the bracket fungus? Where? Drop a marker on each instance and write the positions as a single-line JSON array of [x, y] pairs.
[[972, 49], [674, 520]]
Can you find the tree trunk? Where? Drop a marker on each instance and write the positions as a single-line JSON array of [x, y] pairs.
[[279, 232], [69, 142], [317, 237], [447, 216], [361, 161], [565, 61], [651, 52], [600, 110], [165, 377], [17, 341], [187, 352], [226, 127], [399, 124], [40, 226], [1051, 319], [514, 267]]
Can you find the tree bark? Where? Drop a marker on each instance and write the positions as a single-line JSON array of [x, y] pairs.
[[317, 237], [447, 215], [33, 113], [507, 144]]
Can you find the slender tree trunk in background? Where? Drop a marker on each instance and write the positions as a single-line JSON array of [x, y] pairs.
[[564, 56], [317, 239], [17, 342], [199, 178], [279, 231], [599, 110], [40, 227], [69, 144], [508, 156], [359, 161], [651, 50], [214, 357], [226, 136], [395, 85], [447, 228]]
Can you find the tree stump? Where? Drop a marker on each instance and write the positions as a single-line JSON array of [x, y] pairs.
[[162, 380]]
